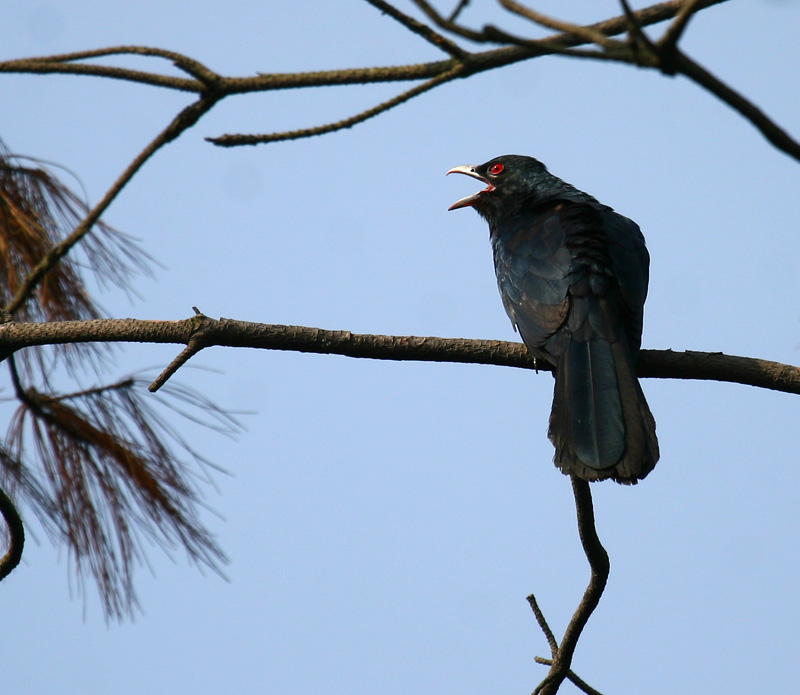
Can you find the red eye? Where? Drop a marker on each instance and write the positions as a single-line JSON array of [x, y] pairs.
[[496, 168]]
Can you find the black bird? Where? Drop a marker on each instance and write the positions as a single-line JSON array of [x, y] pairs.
[[573, 277]]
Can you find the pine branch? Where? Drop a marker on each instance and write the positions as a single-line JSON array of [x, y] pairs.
[[185, 119]]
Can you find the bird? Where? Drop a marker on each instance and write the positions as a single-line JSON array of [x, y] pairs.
[[573, 276]]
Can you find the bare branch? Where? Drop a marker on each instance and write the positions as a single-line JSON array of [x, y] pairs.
[[776, 135], [190, 66], [277, 81], [543, 624], [609, 27], [449, 24], [587, 33], [234, 140], [64, 65], [663, 55], [195, 345], [599, 564], [573, 677], [420, 29], [663, 364], [458, 9], [222, 86], [16, 533], [672, 35], [461, 64]]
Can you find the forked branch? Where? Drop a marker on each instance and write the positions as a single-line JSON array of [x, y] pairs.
[[599, 564]]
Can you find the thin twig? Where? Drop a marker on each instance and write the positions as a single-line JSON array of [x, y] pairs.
[[125, 383], [190, 66], [195, 345], [587, 33], [448, 24], [43, 66], [423, 30], [609, 27], [458, 10], [185, 355], [236, 140], [542, 621], [635, 27], [669, 40]]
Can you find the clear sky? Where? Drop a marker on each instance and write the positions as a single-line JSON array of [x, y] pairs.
[[385, 521]]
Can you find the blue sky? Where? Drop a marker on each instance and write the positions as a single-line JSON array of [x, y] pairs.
[[385, 521]]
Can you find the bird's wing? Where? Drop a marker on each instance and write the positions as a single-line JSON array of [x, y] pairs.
[[556, 264], [532, 262], [631, 264]]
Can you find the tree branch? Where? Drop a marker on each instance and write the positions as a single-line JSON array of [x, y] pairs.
[[423, 30], [543, 624], [587, 33], [663, 55], [462, 63], [672, 35], [64, 64], [609, 27], [599, 563], [234, 140], [774, 134], [16, 533], [573, 677], [663, 364]]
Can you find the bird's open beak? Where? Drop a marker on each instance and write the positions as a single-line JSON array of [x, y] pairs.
[[469, 170]]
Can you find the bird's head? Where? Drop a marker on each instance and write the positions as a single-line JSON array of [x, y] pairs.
[[512, 181]]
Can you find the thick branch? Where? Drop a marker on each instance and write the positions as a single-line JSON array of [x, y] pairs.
[[664, 364]]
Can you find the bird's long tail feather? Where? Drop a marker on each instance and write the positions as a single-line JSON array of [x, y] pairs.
[[600, 423]]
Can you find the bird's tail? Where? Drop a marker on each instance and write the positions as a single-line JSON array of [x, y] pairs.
[[600, 423]]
